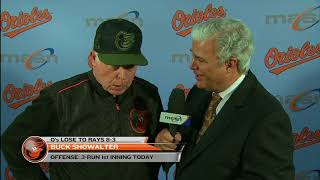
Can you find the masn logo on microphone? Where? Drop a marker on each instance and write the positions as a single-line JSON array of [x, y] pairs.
[[172, 118]]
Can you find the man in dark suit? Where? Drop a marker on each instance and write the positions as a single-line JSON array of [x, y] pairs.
[[239, 131]]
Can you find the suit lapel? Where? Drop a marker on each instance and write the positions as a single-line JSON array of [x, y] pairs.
[[227, 114], [220, 124]]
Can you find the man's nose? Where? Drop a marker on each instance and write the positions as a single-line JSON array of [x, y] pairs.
[[193, 65], [122, 74]]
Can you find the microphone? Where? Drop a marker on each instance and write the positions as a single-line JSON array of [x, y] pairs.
[[176, 105], [174, 117], [176, 110]]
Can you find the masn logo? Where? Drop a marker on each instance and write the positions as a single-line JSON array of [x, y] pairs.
[[32, 61], [305, 100], [39, 58], [300, 21], [301, 101], [182, 58], [296, 25], [172, 118], [176, 119]]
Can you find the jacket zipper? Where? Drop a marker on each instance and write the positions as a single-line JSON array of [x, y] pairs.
[[118, 120], [117, 107]]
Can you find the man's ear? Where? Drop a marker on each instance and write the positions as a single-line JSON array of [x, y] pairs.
[[231, 64], [91, 58]]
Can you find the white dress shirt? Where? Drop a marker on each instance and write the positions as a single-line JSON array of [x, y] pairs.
[[225, 95]]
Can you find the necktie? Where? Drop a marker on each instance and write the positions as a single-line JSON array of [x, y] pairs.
[[209, 115]]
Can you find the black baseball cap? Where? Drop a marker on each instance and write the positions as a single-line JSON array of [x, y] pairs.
[[118, 42]]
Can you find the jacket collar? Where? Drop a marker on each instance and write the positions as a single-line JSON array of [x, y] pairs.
[[99, 89]]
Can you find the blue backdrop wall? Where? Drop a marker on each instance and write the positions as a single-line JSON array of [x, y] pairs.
[[54, 45]]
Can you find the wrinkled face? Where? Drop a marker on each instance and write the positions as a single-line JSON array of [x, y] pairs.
[[209, 73], [114, 79]]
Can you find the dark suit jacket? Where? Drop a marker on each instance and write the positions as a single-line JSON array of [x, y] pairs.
[[251, 137]]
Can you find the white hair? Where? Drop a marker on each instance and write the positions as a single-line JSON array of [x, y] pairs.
[[233, 37]]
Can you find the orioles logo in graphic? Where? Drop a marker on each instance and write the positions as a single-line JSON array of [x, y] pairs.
[[138, 120], [124, 40], [34, 149]]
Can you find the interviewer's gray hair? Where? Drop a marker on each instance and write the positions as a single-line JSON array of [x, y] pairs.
[[233, 37]]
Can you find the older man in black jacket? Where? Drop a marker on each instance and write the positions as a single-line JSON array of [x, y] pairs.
[[96, 103]]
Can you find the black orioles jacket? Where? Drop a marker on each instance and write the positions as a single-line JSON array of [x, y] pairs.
[[79, 106]]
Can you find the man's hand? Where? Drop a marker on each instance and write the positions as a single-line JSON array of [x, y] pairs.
[[170, 142]]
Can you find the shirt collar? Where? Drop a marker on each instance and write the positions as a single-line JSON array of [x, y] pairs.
[[232, 87]]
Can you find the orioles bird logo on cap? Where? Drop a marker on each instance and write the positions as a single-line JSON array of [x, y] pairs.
[[124, 40]]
